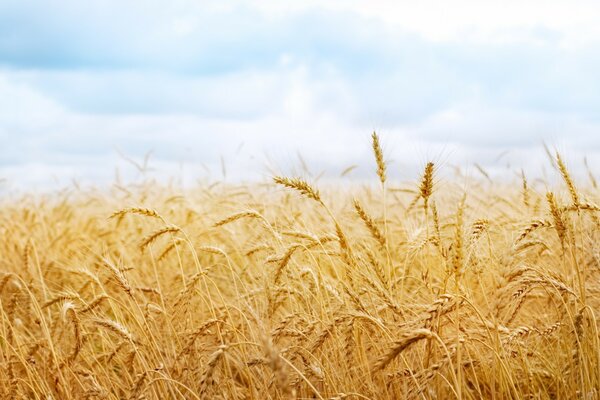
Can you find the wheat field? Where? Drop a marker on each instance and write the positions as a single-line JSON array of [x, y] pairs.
[[290, 289]]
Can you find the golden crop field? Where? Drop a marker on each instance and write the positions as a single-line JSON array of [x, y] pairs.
[[292, 289]]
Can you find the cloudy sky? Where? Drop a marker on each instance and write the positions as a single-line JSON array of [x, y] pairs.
[[87, 85]]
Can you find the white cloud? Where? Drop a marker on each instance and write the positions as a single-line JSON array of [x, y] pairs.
[[84, 146], [575, 22], [455, 81]]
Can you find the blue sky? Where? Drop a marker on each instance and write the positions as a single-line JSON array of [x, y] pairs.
[[256, 82]]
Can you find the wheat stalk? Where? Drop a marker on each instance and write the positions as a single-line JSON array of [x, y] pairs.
[[405, 342], [426, 186], [369, 223], [381, 167], [567, 178], [299, 185], [148, 240]]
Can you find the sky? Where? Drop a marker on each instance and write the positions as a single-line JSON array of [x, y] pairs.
[[240, 90]]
